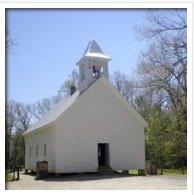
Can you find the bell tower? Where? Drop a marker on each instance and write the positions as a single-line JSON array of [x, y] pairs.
[[92, 65]]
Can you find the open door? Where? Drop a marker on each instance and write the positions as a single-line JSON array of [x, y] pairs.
[[103, 154]]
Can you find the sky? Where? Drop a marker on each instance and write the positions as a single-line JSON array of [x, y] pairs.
[[49, 42]]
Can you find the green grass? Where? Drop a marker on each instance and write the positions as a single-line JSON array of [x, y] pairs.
[[165, 172], [9, 177], [172, 172], [133, 171]]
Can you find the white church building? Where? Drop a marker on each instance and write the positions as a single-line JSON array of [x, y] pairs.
[[93, 128]]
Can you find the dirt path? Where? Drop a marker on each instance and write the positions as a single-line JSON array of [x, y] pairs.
[[98, 182]]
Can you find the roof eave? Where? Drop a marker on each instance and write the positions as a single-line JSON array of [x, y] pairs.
[[90, 56], [37, 129]]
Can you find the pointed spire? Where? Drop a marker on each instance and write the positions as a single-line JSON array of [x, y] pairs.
[[93, 47], [93, 50]]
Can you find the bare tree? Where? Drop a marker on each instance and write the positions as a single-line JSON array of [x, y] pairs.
[[9, 127], [162, 69], [9, 43], [18, 119], [23, 116], [160, 21], [124, 85], [41, 107], [55, 99]]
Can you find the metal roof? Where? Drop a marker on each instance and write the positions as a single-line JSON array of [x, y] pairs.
[[54, 113], [94, 50], [93, 47]]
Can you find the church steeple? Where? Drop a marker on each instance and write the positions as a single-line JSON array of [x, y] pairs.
[[92, 65]]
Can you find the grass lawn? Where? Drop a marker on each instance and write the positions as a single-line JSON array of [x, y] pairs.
[[165, 172], [8, 177], [133, 172], [172, 172]]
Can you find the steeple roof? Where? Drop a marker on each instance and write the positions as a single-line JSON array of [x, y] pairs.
[[93, 47], [94, 50]]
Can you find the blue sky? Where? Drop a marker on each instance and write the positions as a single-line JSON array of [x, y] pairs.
[[50, 42]]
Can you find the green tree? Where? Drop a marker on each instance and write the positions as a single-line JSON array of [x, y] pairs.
[[65, 89], [158, 137]]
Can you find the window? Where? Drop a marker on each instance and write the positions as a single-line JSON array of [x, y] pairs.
[[44, 149], [30, 151], [37, 150], [90, 64], [83, 73]]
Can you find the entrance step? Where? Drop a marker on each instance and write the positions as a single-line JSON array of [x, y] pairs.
[[105, 170]]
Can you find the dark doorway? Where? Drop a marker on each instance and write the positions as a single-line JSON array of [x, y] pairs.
[[103, 154]]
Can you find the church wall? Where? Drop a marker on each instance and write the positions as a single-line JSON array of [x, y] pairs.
[[40, 138], [98, 116]]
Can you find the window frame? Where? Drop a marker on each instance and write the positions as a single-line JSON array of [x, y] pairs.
[[36, 150], [45, 150], [30, 151]]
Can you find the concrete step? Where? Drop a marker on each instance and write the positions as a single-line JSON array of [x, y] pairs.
[[105, 170]]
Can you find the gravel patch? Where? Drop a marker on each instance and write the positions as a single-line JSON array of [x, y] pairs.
[[100, 182]]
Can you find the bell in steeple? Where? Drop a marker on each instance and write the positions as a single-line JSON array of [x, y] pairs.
[[92, 65]]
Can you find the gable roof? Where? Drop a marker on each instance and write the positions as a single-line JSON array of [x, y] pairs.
[[65, 103], [54, 113], [94, 50]]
